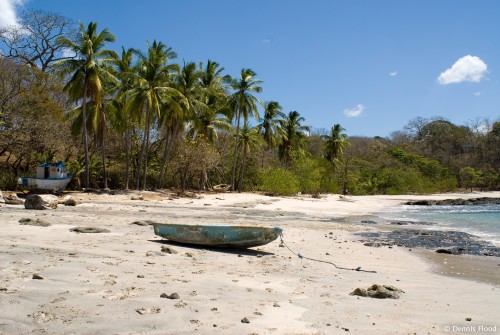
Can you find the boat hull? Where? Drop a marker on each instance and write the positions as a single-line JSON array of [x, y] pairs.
[[45, 184], [217, 236]]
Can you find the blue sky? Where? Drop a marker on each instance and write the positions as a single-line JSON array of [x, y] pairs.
[[371, 66]]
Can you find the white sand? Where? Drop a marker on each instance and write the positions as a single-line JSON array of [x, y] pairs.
[[111, 283]]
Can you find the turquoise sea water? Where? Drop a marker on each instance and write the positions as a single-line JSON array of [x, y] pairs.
[[480, 220]]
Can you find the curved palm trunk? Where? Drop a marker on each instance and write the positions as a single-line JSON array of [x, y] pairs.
[[240, 183], [233, 178], [103, 154], [127, 158], [85, 136], [146, 135], [104, 176], [166, 154], [141, 157]]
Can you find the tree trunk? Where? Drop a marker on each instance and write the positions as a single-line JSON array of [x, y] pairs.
[[233, 178], [85, 137], [104, 176], [166, 155], [146, 135], [103, 154], [141, 157], [240, 183], [127, 158]]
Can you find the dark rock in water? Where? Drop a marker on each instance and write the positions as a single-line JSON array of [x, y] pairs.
[[378, 292], [170, 296], [456, 202], [31, 222], [444, 251], [406, 223], [89, 230], [41, 201]]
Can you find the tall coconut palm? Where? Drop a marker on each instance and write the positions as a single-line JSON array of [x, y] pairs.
[[179, 109], [292, 137], [152, 83], [86, 73], [249, 138], [269, 124], [243, 103], [335, 144], [123, 120]]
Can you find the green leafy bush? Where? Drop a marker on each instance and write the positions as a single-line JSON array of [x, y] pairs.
[[280, 182]]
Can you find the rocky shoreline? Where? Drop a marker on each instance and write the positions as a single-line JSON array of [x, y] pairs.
[[455, 202], [409, 235], [448, 242]]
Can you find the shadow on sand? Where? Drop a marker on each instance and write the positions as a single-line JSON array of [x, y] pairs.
[[226, 250]]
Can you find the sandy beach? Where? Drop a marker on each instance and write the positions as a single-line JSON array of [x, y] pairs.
[[111, 283]]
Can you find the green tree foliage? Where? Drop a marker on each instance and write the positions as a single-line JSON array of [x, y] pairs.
[[169, 125], [86, 76], [279, 181]]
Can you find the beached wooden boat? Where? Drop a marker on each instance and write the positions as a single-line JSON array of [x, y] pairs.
[[49, 176], [217, 236]]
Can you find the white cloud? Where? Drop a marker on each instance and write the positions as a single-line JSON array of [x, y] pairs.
[[393, 74], [8, 15], [266, 40], [468, 68], [355, 111], [476, 94]]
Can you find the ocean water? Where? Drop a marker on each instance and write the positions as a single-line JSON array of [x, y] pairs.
[[480, 220]]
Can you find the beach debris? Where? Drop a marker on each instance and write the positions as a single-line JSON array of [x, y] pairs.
[[137, 197], [69, 201], [153, 310], [37, 276], [140, 276], [41, 201], [168, 250], [378, 292], [89, 230], [41, 317], [468, 319], [12, 199], [143, 223], [245, 320], [31, 222], [170, 296]]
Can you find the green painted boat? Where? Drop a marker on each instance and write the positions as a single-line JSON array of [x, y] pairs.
[[217, 236]]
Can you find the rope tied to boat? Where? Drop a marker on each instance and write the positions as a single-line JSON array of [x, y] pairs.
[[299, 255]]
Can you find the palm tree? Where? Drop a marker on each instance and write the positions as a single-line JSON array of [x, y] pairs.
[[248, 139], [292, 137], [181, 108], [270, 122], [122, 120], [151, 85], [243, 103], [86, 73], [335, 144]]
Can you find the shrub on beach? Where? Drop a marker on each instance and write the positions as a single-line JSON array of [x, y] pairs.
[[280, 182]]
